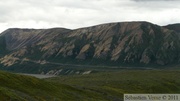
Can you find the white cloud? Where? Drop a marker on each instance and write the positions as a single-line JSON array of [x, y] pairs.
[[81, 13]]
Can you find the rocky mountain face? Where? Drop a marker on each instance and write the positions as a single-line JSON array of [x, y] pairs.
[[175, 27], [132, 43]]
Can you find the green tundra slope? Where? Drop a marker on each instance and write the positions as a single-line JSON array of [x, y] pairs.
[[15, 87], [102, 86]]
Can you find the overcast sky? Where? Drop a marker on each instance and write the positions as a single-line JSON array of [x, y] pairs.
[[81, 13]]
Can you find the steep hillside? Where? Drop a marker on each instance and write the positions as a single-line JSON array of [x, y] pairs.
[[125, 43]]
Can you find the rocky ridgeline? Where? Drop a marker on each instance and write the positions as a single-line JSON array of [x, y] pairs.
[[120, 43]]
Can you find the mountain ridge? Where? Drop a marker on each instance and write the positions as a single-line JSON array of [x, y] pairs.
[[174, 27], [141, 43]]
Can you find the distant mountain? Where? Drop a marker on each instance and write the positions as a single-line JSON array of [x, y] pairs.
[[124, 43]]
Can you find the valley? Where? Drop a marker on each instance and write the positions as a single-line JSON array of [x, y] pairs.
[[40, 76], [96, 63]]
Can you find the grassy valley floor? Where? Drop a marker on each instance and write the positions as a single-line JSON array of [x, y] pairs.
[[112, 85]]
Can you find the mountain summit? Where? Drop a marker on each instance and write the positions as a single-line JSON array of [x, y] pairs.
[[140, 43]]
